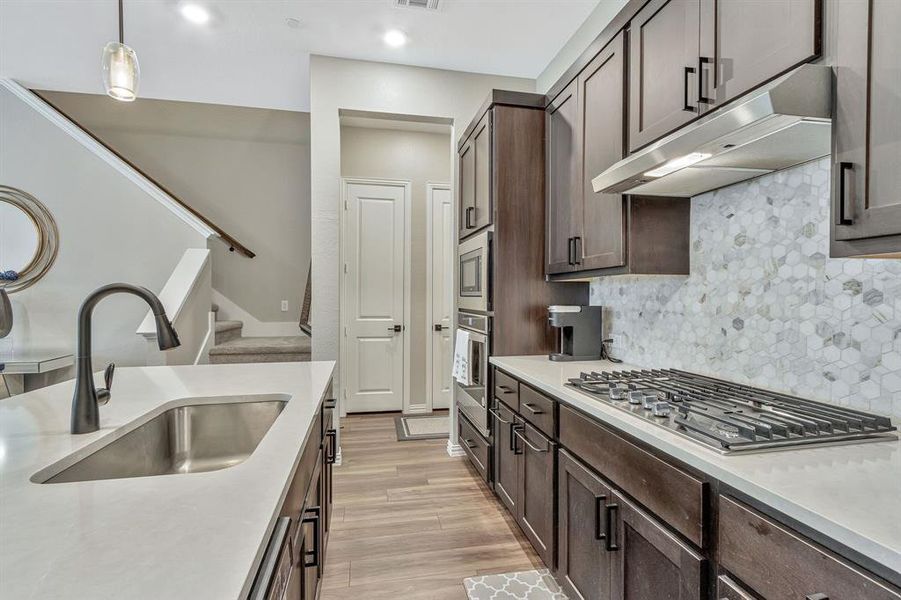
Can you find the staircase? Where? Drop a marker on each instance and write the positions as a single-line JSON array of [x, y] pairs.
[[232, 347]]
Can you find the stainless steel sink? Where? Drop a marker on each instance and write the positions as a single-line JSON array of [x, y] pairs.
[[193, 438]]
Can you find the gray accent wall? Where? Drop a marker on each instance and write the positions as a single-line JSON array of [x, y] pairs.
[[764, 304], [246, 169]]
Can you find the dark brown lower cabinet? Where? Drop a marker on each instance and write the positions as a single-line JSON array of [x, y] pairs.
[[650, 563], [506, 467], [329, 452], [535, 513], [308, 553], [584, 563]]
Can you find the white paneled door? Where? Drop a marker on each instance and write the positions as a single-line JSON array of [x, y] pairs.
[[443, 234], [374, 289]]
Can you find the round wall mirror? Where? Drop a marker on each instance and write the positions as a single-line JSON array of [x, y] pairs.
[[29, 239]]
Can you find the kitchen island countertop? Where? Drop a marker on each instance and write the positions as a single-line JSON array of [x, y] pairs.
[[850, 492], [197, 535]]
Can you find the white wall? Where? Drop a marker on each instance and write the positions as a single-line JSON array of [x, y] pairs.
[[420, 158], [584, 35], [357, 85], [110, 230]]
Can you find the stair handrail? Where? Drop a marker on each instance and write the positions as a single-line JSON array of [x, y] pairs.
[[188, 213]]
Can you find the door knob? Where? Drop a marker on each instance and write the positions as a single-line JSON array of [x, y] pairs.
[[440, 327], [396, 328]]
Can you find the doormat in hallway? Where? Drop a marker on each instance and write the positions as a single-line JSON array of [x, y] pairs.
[[422, 427], [536, 584]]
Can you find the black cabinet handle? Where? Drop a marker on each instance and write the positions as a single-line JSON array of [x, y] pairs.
[[610, 511], [505, 389], [531, 408], [528, 443], [514, 434], [469, 443], [469, 211], [703, 60], [498, 416], [577, 250], [844, 210], [313, 555], [331, 450], [685, 105], [599, 533], [570, 251]]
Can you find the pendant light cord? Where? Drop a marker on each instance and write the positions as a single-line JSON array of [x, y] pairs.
[[121, 25]]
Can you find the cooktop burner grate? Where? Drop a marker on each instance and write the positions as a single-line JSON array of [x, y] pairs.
[[730, 417]]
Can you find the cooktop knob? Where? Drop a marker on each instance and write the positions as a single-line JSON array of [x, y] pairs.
[[636, 397], [649, 400], [616, 391], [662, 409]]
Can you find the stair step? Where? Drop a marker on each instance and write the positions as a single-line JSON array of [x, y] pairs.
[[227, 331], [262, 349]]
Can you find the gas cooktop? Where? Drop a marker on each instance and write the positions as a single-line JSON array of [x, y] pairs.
[[730, 417]]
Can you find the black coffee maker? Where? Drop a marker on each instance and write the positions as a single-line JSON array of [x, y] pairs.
[[579, 332]]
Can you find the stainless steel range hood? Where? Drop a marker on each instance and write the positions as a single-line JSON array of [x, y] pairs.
[[785, 123]]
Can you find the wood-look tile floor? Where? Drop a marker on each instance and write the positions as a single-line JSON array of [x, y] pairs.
[[411, 522]]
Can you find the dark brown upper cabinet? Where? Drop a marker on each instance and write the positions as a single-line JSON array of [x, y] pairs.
[[688, 57], [866, 170], [475, 179], [745, 43], [603, 233], [664, 51], [564, 175]]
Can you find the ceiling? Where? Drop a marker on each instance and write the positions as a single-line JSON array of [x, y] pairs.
[[248, 55]]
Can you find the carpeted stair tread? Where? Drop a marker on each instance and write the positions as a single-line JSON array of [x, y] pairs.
[[289, 344], [223, 326]]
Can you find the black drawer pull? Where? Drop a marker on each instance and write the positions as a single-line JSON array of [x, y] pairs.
[[599, 534], [844, 210], [469, 444], [609, 525], [313, 554], [685, 105], [531, 408], [506, 390], [528, 443], [703, 60]]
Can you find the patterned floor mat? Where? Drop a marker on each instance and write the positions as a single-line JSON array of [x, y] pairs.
[[524, 585]]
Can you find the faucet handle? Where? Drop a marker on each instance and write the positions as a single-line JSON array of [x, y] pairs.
[[103, 395]]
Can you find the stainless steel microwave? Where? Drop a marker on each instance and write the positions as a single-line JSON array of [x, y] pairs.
[[474, 273]]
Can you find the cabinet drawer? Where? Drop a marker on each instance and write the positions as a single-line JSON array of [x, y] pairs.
[[726, 589], [667, 491], [475, 446], [537, 409], [506, 389], [781, 565]]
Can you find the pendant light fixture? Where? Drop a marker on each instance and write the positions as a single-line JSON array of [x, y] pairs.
[[121, 72]]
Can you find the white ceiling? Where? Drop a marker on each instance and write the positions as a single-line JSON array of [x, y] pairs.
[[247, 55]]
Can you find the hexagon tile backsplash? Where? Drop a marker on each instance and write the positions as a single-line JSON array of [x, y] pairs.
[[764, 304]]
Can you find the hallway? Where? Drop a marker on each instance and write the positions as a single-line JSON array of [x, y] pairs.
[[411, 522]]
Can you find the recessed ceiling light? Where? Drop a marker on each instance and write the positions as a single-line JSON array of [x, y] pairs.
[[395, 38], [195, 14]]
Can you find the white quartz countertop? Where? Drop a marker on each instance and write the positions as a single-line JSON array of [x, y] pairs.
[[187, 536], [850, 493]]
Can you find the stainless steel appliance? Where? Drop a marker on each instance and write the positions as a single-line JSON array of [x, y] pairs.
[[730, 417], [578, 332], [474, 273], [473, 399]]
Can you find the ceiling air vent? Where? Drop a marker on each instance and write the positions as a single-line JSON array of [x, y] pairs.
[[427, 4]]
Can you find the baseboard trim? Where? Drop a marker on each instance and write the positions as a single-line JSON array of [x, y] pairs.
[[337, 462], [455, 449]]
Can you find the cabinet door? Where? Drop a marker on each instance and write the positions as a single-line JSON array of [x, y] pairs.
[[481, 138], [506, 457], [601, 241], [328, 460], [467, 178], [750, 42], [651, 563], [583, 562], [311, 521], [663, 59], [564, 175], [536, 490], [867, 121]]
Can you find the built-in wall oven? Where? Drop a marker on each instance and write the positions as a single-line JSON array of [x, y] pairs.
[[474, 273], [472, 398]]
